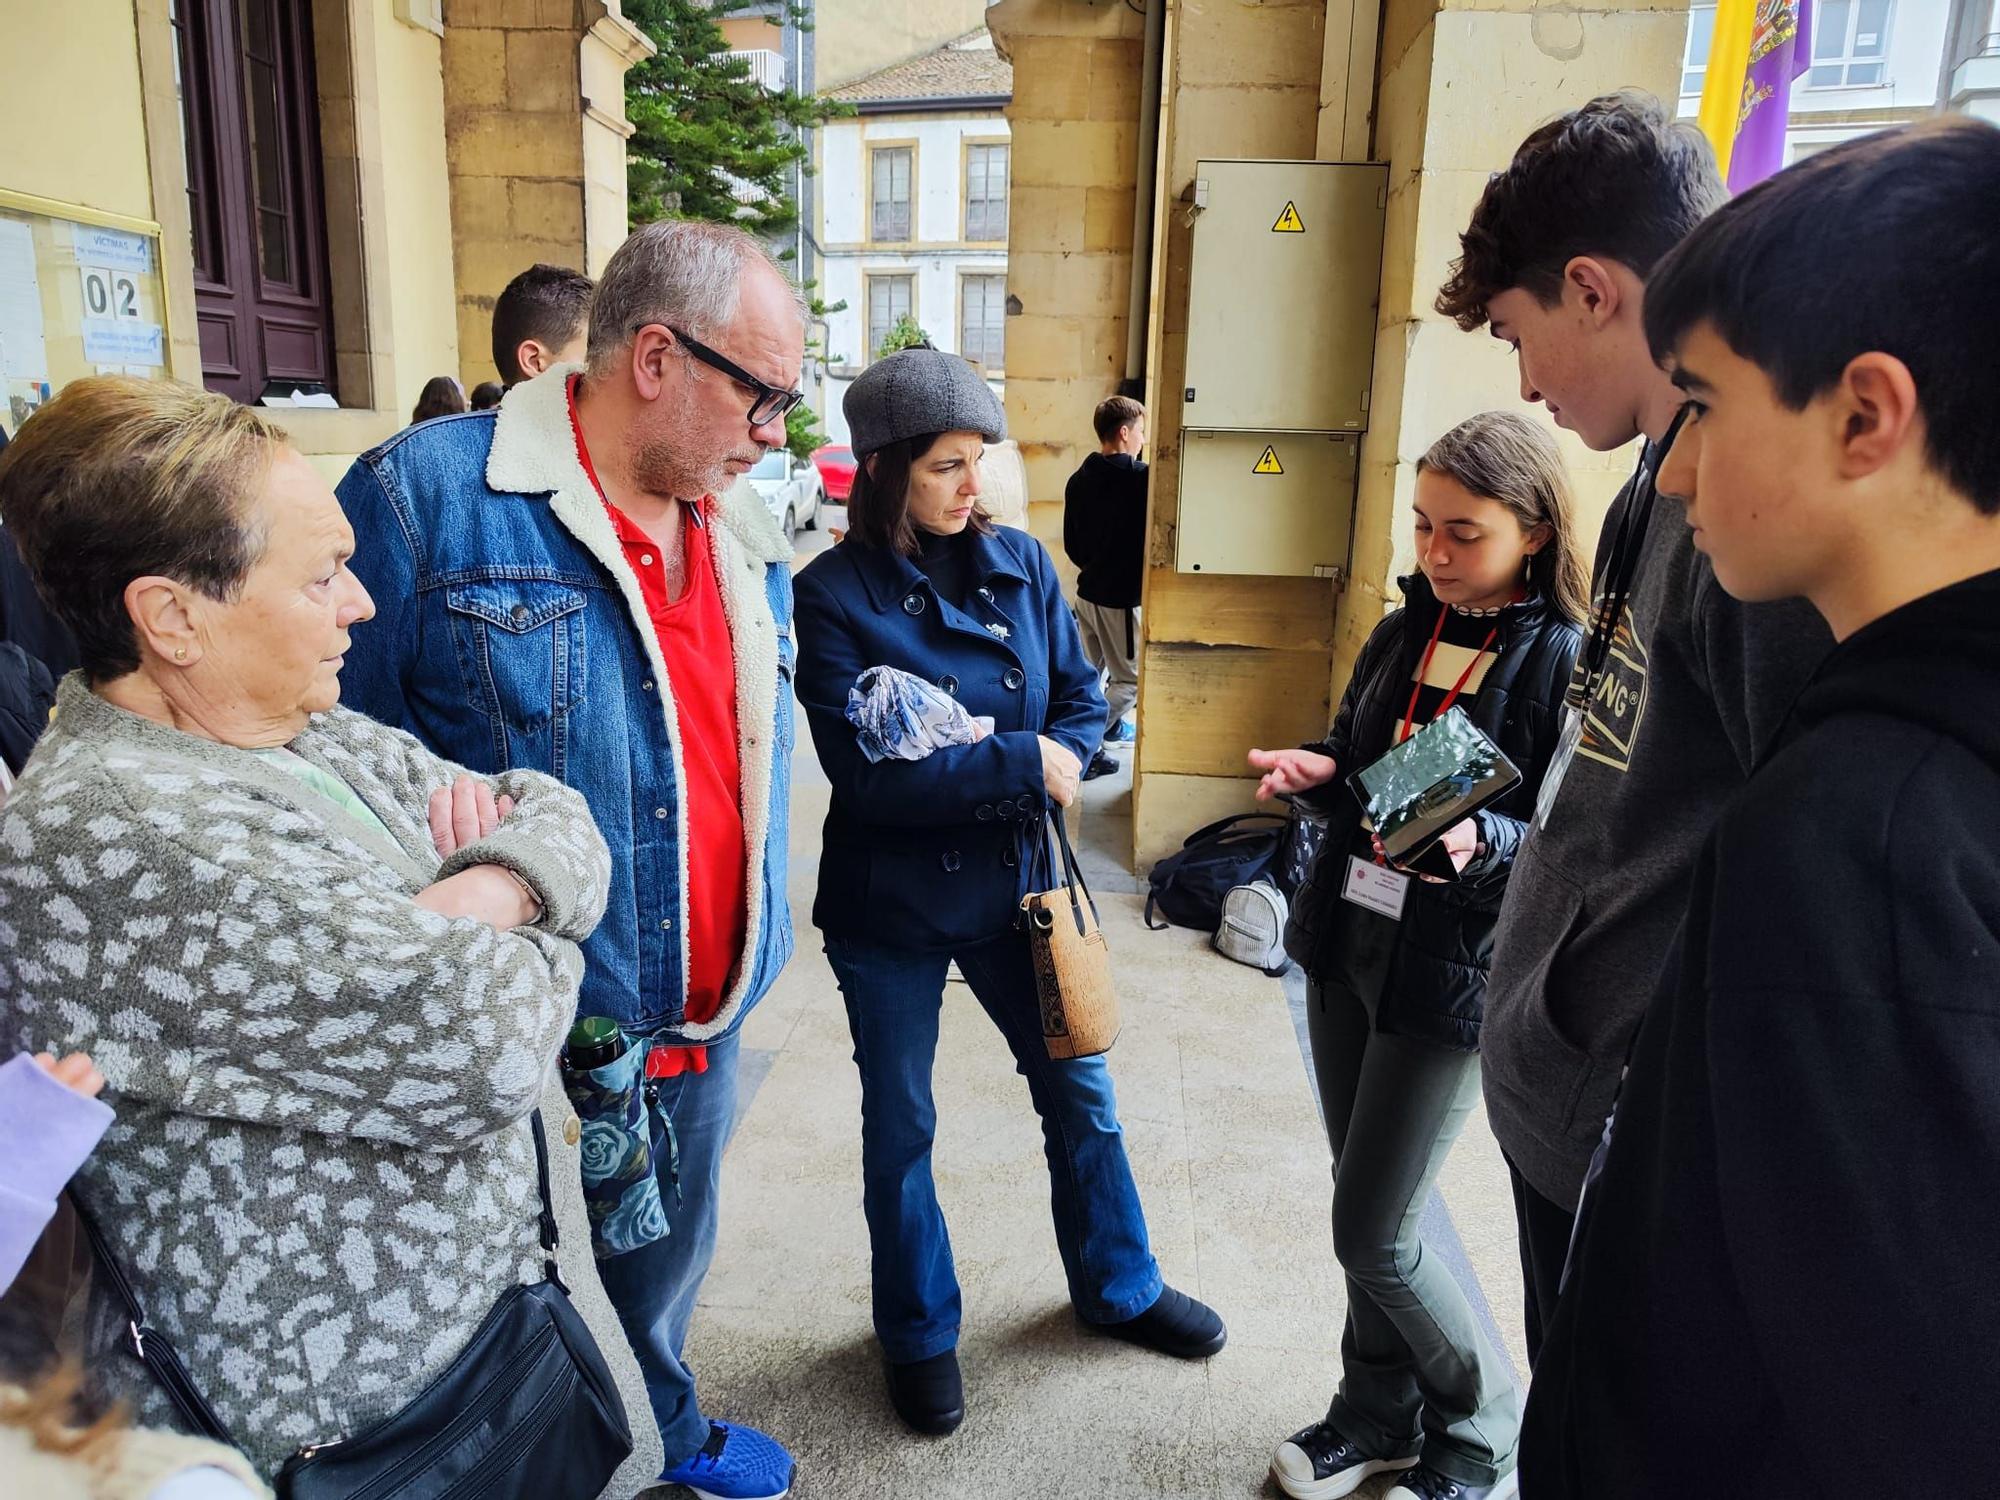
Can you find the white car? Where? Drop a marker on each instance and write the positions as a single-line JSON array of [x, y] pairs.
[[791, 488]]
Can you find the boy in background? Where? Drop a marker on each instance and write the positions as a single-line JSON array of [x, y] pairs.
[[1104, 533]]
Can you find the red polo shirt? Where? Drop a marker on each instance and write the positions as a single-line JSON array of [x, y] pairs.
[[693, 633]]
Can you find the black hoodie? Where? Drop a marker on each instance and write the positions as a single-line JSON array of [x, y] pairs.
[[1104, 529], [1787, 1280]]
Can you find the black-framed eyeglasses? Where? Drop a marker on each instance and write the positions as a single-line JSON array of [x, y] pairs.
[[772, 401]]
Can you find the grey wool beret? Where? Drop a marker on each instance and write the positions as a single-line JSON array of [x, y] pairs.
[[919, 390]]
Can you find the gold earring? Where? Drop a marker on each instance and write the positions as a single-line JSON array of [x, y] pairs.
[[180, 653]]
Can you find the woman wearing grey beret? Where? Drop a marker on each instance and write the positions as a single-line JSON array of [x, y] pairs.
[[924, 863]]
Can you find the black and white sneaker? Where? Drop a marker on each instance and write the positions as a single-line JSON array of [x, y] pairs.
[[1320, 1464], [1425, 1483]]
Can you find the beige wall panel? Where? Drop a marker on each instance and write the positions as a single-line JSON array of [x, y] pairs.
[[475, 68], [1274, 122], [1058, 214], [1250, 47], [1014, 19], [1115, 64], [525, 13], [1107, 219], [751, 34], [1273, 614], [70, 75], [853, 38], [1051, 79], [1072, 284], [1177, 805], [549, 212], [509, 145], [409, 93], [1201, 707]]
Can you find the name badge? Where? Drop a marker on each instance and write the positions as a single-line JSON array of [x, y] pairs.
[[1375, 887], [1559, 763]]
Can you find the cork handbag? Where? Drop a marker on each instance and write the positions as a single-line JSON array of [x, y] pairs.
[[1072, 966]]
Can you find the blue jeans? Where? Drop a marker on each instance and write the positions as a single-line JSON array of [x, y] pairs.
[[893, 997], [653, 1288]]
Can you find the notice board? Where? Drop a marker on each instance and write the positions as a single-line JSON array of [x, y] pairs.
[[81, 293]]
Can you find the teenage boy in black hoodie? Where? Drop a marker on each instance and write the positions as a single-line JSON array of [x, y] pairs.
[[1678, 686], [1104, 533], [1784, 1278]]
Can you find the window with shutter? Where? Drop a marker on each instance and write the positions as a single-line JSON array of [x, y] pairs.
[[982, 323], [986, 193], [890, 298], [889, 218]]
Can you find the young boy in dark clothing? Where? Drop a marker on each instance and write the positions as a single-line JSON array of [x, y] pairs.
[[541, 319], [1104, 533], [1678, 686], [1784, 1274]]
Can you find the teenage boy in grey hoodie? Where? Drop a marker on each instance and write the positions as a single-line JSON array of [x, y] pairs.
[[1678, 687]]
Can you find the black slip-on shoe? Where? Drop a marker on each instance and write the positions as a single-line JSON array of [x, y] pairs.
[[929, 1394], [1175, 1324]]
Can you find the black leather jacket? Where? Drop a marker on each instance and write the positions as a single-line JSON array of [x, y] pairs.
[[1437, 976]]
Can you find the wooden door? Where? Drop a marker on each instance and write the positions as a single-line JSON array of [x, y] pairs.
[[251, 113]]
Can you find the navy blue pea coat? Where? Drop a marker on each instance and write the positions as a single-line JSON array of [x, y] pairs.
[[930, 854]]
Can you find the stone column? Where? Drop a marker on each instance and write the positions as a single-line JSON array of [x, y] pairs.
[[1074, 125], [535, 130]]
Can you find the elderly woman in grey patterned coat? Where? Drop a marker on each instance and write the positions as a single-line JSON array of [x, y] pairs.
[[323, 972]]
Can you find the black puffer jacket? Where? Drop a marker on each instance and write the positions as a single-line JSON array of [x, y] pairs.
[[1437, 976]]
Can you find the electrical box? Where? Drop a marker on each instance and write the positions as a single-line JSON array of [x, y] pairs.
[[1287, 263], [1273, 505]]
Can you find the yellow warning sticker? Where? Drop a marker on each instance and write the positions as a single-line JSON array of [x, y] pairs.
[[1269, 464], [1289, 221]]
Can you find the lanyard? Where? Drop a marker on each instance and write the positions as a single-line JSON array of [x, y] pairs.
[[1622, 569], [1424, 672]]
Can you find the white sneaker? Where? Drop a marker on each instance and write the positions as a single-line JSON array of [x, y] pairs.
[[1427, 1484], [1320, 1464]]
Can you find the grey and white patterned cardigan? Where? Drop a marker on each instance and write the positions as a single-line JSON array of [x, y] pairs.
[[322, 1174]]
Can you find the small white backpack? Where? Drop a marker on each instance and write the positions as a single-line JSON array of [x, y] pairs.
[[1253, 927]]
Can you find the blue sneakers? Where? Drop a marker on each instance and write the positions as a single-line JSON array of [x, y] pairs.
[[736, 1463], [1122, 732]]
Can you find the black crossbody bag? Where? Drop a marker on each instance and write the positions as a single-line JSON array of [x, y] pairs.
[[527, 1408]]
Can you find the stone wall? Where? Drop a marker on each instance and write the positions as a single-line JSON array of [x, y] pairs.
[[1074, 121], [535, 130]]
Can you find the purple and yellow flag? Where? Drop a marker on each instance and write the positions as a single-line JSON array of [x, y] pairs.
[[1760, 47]]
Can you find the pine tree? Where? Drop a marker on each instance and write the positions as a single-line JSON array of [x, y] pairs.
[[707, 138], [905, 333]]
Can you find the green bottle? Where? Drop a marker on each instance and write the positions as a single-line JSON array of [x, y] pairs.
[[594, 1041]]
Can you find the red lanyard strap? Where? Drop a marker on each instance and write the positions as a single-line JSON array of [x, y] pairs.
[[1424, 672]]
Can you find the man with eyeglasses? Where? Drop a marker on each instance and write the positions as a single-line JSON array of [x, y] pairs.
[[576, 584]]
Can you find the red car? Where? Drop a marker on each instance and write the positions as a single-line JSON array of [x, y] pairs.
[[835, 463]]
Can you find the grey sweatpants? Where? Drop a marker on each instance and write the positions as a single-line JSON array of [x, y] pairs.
[[1111, 641]]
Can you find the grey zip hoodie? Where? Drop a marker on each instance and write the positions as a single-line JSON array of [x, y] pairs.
[[1696, 686]]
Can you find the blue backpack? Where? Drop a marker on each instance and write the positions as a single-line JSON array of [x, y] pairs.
[[1188, 886]]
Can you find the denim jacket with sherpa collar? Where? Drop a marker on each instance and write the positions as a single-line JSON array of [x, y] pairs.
[[510, 631]]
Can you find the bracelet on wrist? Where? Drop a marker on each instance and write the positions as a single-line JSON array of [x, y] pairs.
[[534, 900]]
